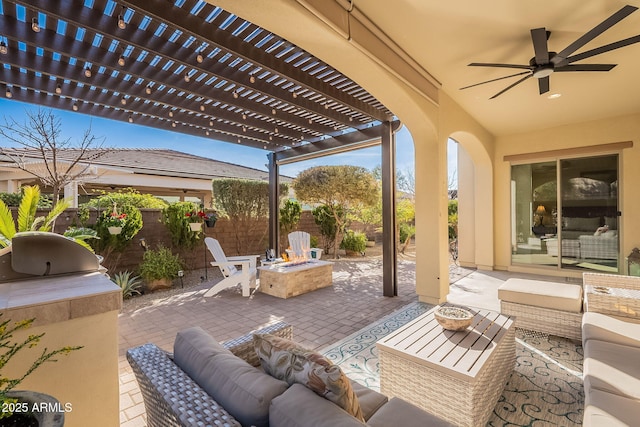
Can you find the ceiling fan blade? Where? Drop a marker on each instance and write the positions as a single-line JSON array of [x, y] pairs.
[[603, 49], [585, 67], [489, 64], [511, 86], [593, 33], [495, 80], [539, 38], [543, 85]]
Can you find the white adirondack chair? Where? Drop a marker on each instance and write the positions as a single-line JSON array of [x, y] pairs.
[[300, 242], [246, 277]]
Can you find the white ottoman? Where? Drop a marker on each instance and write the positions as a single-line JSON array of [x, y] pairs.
[[548, 307]]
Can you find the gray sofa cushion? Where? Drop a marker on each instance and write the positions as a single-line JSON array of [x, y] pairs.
[[370, 400], [612, 368], [610, 410], [401, 413], [244, 391], [301, 407], [596, 326]]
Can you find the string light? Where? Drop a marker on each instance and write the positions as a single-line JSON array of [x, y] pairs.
[[211, 123], [121, 61], [202, 107], [87, 71], [75, 106], [123, 101], [147, 90], [244, 128], [273, 111], [235, 94], [173, 124], [8, 93], [58, 89], [244, 116], [35, 26], [199, 58], [252, 79], [170, 113], [130, 118], [206, 133], [276, 130], [121, 24], [3, 48], [186, 77], [295, 95]]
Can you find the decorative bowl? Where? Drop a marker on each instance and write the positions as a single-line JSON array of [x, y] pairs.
[[453, 318]]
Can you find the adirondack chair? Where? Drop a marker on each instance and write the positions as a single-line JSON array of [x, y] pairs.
[[246, 277], [300, 242]]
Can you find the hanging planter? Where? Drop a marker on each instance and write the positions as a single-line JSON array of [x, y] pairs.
[[195, 226], [114, 230], [211, 222]]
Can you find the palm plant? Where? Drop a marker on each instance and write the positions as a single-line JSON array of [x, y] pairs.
[[27, 220]]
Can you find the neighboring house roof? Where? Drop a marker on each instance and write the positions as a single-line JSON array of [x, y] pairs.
[[158, 162]]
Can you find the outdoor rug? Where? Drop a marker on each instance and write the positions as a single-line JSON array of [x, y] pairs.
[[545, 388]]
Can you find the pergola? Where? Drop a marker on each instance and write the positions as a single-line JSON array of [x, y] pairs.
[[188, 66]]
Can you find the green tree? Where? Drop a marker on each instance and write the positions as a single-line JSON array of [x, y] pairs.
[[452, 219], [244, 202], [323, 216], [289, 217], [175, 218], [337, 187]]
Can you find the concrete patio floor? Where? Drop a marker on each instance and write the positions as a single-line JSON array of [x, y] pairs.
[[319, 318]]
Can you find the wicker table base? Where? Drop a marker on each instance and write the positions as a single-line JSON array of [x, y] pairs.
[[457, 376]]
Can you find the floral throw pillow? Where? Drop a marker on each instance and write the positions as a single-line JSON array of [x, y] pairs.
[[285, 360]]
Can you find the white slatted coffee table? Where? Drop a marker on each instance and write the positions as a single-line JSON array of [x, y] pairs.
[[458, 376]]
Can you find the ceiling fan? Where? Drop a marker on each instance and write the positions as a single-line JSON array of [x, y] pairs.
[[545, 63]]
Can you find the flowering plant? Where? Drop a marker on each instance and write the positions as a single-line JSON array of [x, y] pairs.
[[115, 219], [194, 216]]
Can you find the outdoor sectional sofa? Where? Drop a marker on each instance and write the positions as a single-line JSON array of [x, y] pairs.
[[204, 383]]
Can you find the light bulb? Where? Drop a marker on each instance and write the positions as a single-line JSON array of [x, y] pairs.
[[295, 95], [273, 111], [130, 118], [123, 101], [3, 48], [202, 107], [199, 58], [173, 124], [87, 72], [170, 113], [121, 24], [121, 61], [207, 133], [75, 106], [8, 93], [58, 89], [34, 25], [187, 78], [147, 90], [252, 79], [211, 123], [235, 94]]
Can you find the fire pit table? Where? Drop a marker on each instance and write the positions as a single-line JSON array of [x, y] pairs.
[[290, 279]]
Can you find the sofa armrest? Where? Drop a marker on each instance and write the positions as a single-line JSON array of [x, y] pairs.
[[243, 346], [171, 397]]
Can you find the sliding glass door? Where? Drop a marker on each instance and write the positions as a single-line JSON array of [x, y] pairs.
[[573, 225]]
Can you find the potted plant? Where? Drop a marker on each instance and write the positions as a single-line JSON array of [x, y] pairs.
[[159, 267], [114, 221], [354, 243], [210, 219], [195, 219], [17, 405]]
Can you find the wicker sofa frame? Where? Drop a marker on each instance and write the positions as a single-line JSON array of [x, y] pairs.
[[172, 398]]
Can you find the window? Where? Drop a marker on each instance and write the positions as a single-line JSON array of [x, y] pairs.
[[574, 225]]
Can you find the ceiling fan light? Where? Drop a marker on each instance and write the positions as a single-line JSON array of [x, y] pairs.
[[543, 71], [35, 26], [554, 96]]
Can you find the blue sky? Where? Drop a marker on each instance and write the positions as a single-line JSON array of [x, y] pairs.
[[131, 135]]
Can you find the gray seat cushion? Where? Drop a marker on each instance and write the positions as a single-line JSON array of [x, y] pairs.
[[301, 407], [401, 413], [244, 391], [370, 400]]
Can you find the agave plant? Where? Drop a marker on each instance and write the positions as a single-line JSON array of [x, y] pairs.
[[27, 220], [129, 284]]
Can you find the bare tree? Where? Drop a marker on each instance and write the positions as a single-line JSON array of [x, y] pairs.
[[43, 152]]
